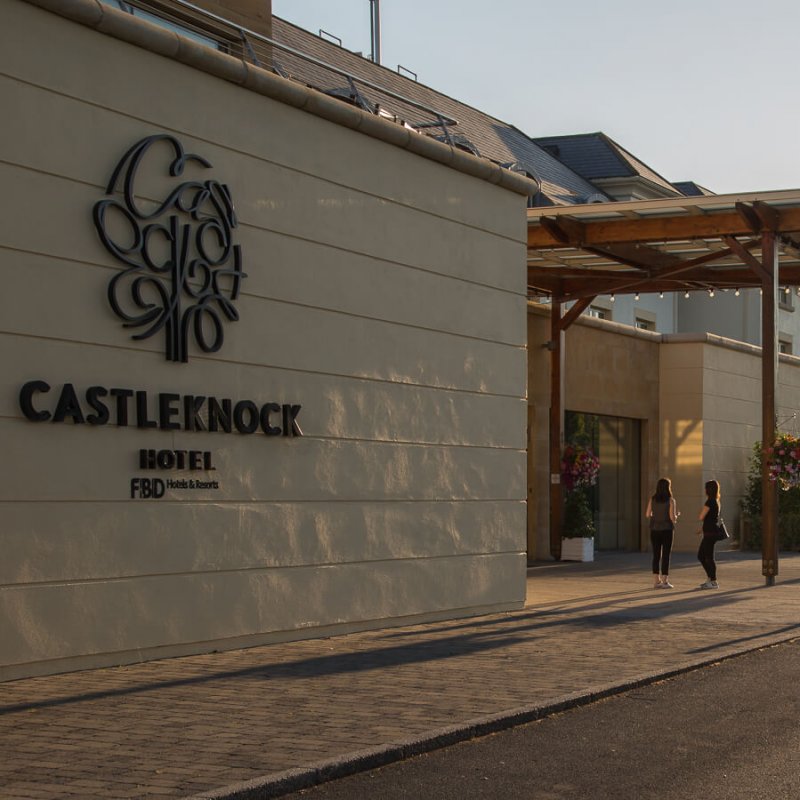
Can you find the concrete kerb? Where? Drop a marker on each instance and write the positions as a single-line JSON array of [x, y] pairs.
[[282, 783]]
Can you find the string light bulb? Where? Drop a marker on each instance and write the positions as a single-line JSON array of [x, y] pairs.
[[686, 294], [613, 298], [661, 295], [710, 292], [786, 290], [636, 296], [737, 292]]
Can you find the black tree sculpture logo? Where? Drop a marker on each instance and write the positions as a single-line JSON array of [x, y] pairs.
[[183, 271]]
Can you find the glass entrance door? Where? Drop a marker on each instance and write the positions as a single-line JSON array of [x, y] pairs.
[[615, 499]]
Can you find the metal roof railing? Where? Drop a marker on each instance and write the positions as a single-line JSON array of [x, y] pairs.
[[223, 34]]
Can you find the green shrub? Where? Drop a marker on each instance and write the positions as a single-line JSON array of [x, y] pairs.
[[788, 532], [578, 517]]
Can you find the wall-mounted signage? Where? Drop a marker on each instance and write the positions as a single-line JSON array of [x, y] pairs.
[[183, 271], [168, 411]]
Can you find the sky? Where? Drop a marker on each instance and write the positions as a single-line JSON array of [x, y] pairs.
[[702, 90]]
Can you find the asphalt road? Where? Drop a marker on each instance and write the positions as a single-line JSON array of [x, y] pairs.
[[730, 730]]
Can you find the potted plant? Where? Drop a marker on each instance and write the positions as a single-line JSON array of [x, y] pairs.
[[579, 470], [783, 462]]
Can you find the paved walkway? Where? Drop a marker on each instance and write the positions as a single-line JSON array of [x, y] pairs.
[[258, 722]]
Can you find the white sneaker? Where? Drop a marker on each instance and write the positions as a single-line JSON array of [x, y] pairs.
[[709, 585], [667, 585]]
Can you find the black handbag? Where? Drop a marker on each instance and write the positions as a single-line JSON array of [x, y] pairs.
[[722, 532]]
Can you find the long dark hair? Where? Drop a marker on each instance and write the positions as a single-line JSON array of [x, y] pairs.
[[712, 490], [663, 490]]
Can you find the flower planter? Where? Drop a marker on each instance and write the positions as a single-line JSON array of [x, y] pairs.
[[577, 549]]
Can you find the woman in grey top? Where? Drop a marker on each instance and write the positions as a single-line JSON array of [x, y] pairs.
[[663, 514]]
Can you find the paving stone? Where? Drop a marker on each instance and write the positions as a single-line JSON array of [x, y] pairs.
[[284, 714]]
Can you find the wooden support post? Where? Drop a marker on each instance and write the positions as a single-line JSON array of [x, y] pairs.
[[556, 346], [769, 391]]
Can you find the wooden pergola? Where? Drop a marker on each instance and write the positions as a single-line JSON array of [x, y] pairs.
[[686, 244]]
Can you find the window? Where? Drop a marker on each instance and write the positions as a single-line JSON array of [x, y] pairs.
[[644, 320], [164, 23], [598, 313], [785, 345], [786, 299]]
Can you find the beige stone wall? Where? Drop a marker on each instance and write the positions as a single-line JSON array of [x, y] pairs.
[[385, 293], [698, 398], [711, 418], [682, 431]]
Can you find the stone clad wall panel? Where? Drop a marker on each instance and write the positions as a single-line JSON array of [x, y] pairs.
[[55, 542], [732, 399], [97, 617], [336, 406], [385, 295]]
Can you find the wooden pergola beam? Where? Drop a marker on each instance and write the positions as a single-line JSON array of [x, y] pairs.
[[564, 230], [660, 229], [559, 322], [771, 218], [769, 392], [748, 258], [575, 311], [697, 280], [748, 214], [556, 424], [573, 285], [637, 255]]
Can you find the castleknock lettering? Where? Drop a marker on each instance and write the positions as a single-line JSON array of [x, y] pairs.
[[169, 411]]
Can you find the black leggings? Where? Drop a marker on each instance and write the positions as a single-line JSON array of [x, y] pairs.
[[662, 547], [705, 555]]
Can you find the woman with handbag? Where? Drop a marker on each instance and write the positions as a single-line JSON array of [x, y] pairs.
[[663, 514], [709, 515]]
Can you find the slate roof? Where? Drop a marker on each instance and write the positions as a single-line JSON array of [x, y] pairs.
[[596, 156], [692, 189], [491, 138]]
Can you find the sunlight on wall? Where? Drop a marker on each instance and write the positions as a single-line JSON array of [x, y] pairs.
[[684, 443]]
